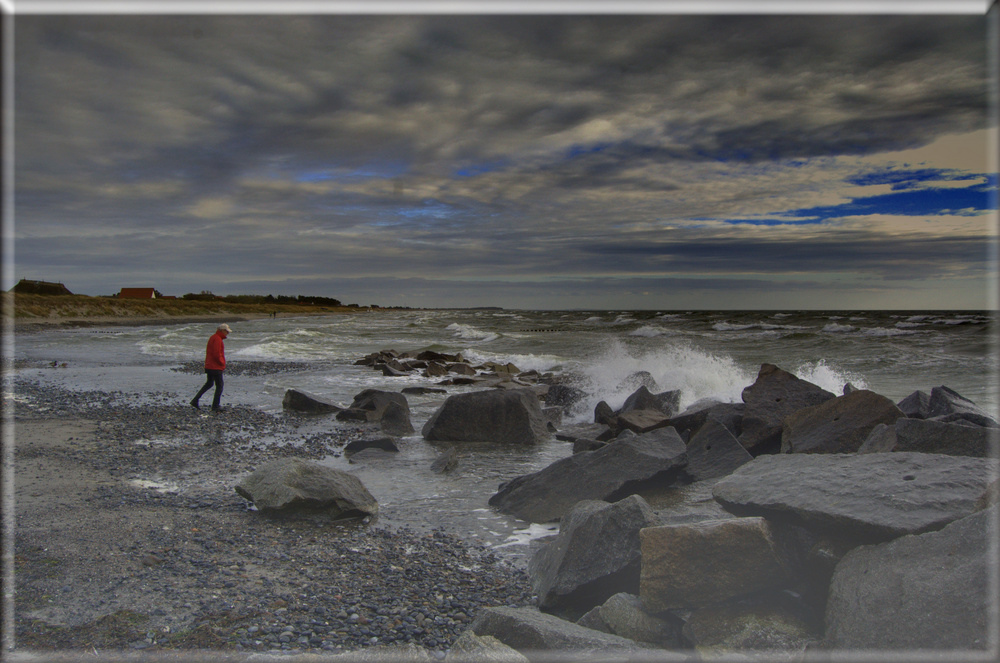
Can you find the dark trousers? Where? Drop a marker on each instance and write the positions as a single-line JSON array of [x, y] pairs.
[[214, 378]]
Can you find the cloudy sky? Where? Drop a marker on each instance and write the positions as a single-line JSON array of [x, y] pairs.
[[649, 161]]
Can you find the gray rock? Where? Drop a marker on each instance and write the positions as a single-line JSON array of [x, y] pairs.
[[553, 417], [643, 399], [881, 439], [383, 443], [615, 471], [916, 406], [952, 406], [422, 391], [691, 503], [701, 564], [604, 414], [446, 461], [924, 592], [472, 648], [291, 485], [772, 397], [461, 369], [838, 425], [587, 445], [624, 615], [714, 452], [595, 555], [388, 408], [538, 635], [440, 357], [870, 497], [368, 455], [932, 436], [638, 379], [395, 369], [641, 421], [303, 401], [564, 396], [692, 419], [396, 653], [512, 416], [759, 625], [575, 432], [592, 619], [435, 370], [395, 419]]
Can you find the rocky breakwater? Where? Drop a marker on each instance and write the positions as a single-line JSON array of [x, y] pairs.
[[796, 520]]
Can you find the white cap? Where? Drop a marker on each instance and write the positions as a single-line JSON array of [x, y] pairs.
[[224, 327]]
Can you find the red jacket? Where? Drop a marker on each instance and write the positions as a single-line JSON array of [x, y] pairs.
[[215, 353]]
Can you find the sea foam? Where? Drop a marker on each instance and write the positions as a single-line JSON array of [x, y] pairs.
[[471, 333], [827, 377], [696, 373]]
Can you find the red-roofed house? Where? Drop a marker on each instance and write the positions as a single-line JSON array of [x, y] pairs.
[[137, 293]]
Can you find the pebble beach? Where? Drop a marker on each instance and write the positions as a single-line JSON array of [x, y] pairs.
[[107, 563]]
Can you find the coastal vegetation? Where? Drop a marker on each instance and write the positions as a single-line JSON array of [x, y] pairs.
[[40, 308]]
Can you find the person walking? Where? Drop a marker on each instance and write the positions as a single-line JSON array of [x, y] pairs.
[[215, 364]]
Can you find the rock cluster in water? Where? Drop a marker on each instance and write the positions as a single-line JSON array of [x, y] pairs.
[[794, 517]]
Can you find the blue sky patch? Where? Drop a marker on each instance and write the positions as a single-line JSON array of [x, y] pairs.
[[975, 199], [907, 179]]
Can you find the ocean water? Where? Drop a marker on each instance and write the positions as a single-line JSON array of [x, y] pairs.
[[713, 354]]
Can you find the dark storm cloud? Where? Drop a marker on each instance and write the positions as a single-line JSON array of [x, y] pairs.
[[899, 260], [307, 148]]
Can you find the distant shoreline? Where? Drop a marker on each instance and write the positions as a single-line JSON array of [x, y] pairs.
[[27, 313], [28, 325]]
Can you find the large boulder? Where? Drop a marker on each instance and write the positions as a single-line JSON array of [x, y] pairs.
[[472, 648], [382, 443], [440, 357], [701, 564], [714, 452], [388, 408], [916, 406], [640, 421], [694, 417], [764, 624], [303, 401], [595, 555], [869, 497], [581, 432], [504, 416], [643, 399], [690, 503], [623, 614], [772, 397], [538, 636], [838, 425], [564, 396], [610, 473], [948, 405], [925, 592], [932, 436], [291, 485], [881, 439]]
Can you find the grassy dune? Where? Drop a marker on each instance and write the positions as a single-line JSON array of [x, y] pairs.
[[65, 308]]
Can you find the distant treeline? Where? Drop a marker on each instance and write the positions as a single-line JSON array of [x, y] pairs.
[[301, 300]]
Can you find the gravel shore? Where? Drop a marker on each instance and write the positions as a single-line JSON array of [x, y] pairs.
[[130, 538]]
